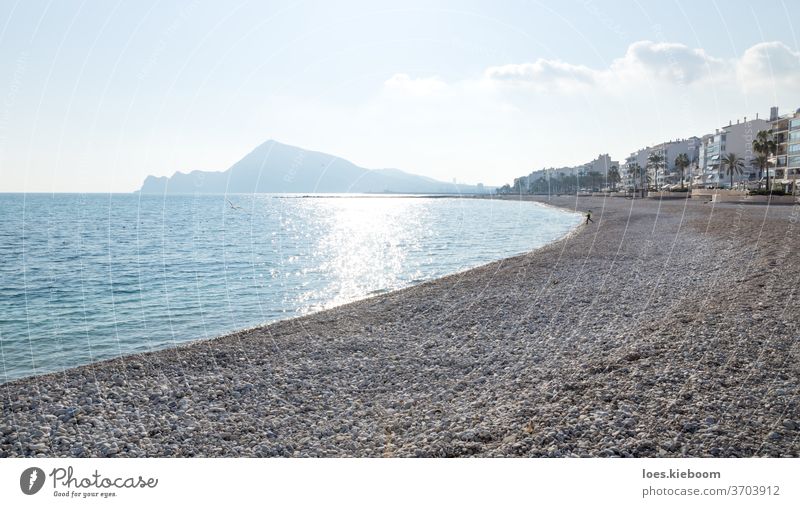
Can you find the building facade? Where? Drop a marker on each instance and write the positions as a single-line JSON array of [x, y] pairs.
[[786, 161], [734, 138], [590, 176], [637, 157], [668, 173]]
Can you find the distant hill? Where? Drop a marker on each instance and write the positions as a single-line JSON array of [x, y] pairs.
[[276, 167]]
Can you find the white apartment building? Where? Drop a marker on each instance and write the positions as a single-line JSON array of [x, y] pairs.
[[734, 138], [639, 157], [668, 174], [602, 164], [786, 162]]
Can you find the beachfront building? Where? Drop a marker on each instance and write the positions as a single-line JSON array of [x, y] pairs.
[[786, 161], [595, 173], [602, 164], [702, 174], [637, 157], [521, 185], [668, 173], [734, 138], [588, 177]]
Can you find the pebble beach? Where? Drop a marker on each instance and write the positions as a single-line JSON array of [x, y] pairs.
[[663, 329]]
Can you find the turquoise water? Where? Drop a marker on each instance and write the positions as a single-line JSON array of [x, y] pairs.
[[89, 277]]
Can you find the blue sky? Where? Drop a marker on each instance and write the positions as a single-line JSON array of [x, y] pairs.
[[96, 95]]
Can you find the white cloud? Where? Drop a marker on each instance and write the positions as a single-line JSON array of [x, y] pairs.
[[768, 64], [543, 75], [676, 63], [643, 61]]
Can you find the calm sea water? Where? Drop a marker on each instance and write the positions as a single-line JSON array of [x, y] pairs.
[[89, 277]]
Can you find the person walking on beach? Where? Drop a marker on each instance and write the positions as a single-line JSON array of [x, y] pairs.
[[589, 217]]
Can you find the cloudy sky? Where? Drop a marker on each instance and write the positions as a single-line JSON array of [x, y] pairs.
[[97, 94]]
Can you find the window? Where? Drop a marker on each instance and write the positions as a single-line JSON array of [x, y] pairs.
[[794, 124], [794, 136], [794, 148], [794, 161]]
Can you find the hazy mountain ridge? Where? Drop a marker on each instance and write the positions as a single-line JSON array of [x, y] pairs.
[[277, 167]]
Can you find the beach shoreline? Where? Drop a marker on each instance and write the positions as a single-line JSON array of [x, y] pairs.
[[382, 292], [662, 329]]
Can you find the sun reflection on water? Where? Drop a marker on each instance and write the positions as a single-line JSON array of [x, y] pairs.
[[365, 246]]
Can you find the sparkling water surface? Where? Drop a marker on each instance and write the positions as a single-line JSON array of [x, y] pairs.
[[90, 277]]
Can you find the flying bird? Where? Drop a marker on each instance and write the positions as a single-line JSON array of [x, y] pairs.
[[233, 205]]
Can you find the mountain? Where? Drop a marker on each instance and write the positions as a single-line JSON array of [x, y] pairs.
[[276, 167]]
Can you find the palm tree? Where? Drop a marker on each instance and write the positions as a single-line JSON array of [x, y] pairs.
[[761, 162], [682, 162], [613, 177], [734, 164], [764, 144], [634, 170], [655, 161]]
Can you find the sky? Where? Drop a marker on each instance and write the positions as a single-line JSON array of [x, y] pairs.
[[95, 95]]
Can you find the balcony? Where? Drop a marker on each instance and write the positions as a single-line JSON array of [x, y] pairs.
[[780, 126]]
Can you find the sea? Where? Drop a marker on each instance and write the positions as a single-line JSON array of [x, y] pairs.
[[87, 277]]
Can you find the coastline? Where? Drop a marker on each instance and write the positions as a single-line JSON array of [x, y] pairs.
[[591, 345], [376, 293]]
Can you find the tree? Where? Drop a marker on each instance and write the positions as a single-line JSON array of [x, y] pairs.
[[761, 162], [594, 179], [682, 162], [734, 164], [764, 144], [655, 161], [634, 171], [613, 177]]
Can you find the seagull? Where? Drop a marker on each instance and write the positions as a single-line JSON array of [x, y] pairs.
[[233, 205]]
